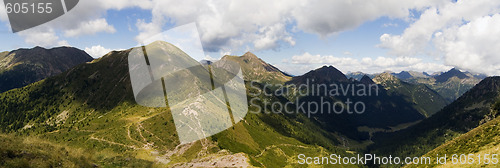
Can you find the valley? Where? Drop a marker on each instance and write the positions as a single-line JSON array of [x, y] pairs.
[[88, 112]]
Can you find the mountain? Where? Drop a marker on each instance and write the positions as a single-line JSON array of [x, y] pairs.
[[91, 107], [358, 75], [410, 74], [87, 116], [448, 75], [366, 80], [21, 67], [479, 141], [255, 69], [387, 80], [327, 87], [451, 84], [469, 111], [325, 74], [403, 75], [424, 99]]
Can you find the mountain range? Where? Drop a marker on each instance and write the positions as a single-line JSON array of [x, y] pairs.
[[21, 67], [423, 98], [450, 85], [88, 113], [92, 107], [476, 107], [395, 109]]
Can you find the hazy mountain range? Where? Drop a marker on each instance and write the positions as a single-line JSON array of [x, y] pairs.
[[450, 85], [87, 113]]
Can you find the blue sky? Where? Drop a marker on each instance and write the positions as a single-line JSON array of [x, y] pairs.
[[296, 36]]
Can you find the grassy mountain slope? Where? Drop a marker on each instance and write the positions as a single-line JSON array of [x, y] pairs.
[[28, 151], [466, 113], [92, 107], [424, 99], [483, 141], [24, 66]]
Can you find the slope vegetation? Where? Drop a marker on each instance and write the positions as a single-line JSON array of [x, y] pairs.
[[24, 66], [468, 112], [92, 107]]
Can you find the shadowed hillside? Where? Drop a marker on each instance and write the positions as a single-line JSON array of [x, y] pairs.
[[21, 67]]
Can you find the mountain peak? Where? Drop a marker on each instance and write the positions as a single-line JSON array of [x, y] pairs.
[[159, 43], [451, 73], [255, 69], [249, 55], [330, 70], [38, 47], [403, 75], [384, 77], [366, 80], [325, 74]]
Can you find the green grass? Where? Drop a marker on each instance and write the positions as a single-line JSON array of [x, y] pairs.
[[484, 139], [473, 109], [33, 152], [102, 118]]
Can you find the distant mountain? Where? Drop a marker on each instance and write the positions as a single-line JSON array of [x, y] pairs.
[[358, 75], [255, 69], [451, 84], [387, 80], [469, 111], [383, 109], [206, 62], [450, 74], [366, 80], [410, 74], [424, 99], [403, 75], [325, 74], [21, 67]]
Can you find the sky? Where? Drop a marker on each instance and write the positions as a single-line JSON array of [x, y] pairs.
[[294, 35]]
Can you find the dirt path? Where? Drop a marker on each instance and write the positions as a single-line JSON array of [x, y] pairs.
[[111, 142], [276, 146]]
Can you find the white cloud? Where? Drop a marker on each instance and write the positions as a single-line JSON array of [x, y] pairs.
[[390, 25], [90, 28], [270, 36], [147, 30], [330, 17], [98, 51], [227, 25], [208, 57], [84, 19], [443, 26], [474, 46], [44, 37], [307, 58], [463, 33], [232, 24], [3, 13], [301, 64]]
